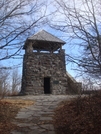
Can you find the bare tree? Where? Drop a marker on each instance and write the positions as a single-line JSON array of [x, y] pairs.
[[10, 81], [81, 21], [18, 19], [16, 81], [4, 84]]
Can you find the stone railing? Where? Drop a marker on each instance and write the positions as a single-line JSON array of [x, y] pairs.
[[74, 87]]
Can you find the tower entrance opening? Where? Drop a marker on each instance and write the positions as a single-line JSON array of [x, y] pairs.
[[47, 85]]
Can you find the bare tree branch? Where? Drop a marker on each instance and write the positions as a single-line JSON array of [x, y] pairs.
[[80, 21], [18, 19]]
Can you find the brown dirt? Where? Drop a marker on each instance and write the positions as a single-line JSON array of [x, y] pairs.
[[8, 110], [79, 116]]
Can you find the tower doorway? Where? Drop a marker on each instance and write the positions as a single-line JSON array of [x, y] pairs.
[[47, 85]]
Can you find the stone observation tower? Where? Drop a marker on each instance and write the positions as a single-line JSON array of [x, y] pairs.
[[44, 70]]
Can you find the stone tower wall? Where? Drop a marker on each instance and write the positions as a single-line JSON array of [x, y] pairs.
[[37, 66]]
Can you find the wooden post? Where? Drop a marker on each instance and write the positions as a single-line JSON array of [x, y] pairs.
[[29, 48]]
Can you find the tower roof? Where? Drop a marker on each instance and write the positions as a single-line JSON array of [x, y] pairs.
[[42, 40], [45, 36]]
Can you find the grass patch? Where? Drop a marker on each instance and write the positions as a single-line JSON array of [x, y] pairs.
[[19, 102], [8, 111], [79, 116]]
